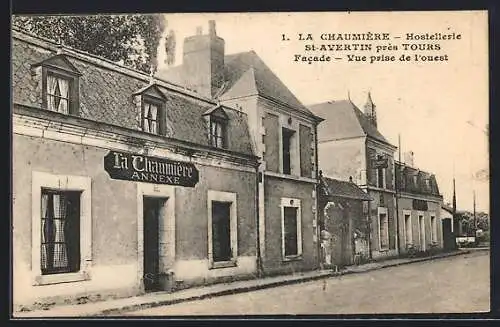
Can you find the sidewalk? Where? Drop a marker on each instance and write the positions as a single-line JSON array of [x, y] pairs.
[[116, 307]]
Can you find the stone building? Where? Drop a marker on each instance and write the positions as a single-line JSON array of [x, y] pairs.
[[350, 146], [419, 204], [283, 133], [124, 183], [405, 211], [342, 221]]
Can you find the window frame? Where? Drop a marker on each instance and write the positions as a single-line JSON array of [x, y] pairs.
[[294, 203], [434, 228], [73, 88], [405, 214], [383, 211], [223, 124], [228, 197], [292, 134], [67, 240], [160, 114], [43, 180]]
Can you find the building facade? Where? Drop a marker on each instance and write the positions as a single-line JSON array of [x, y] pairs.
[[283, 133], [419, 203], [350, 146], [124, 183], [342, 221]]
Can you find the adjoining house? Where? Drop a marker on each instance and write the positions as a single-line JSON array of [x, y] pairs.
[[350, 145], [449, 228], [419, 203], [343, 222], [124, 183], [283, 133]]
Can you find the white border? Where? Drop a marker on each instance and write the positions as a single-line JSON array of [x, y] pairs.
[[233, 223], [62, 183], [287, 202]]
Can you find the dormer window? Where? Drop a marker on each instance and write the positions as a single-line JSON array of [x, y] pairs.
[[150, 121], [217, 121], [217, 132], [150, 103], [60, 84]]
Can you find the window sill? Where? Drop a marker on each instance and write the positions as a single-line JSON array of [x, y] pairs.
[[61, 278], [292, 258], [223, 264]]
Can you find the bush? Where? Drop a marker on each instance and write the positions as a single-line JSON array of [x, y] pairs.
[[484, 237]]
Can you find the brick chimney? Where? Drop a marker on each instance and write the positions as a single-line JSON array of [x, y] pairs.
[[203, 61]]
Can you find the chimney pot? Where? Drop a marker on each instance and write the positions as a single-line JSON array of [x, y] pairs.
[[211, 28]]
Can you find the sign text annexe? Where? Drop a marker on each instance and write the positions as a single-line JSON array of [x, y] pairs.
[[140, 168]]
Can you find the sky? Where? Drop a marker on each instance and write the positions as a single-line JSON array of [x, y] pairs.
[[439, 109]]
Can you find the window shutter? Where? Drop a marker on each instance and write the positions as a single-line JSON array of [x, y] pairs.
[[389, 174], [371, 172]]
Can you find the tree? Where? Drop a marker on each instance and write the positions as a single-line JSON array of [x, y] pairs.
[[128, 39]]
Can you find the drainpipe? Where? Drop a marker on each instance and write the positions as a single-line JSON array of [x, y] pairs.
[[258, 179], [317, 187]]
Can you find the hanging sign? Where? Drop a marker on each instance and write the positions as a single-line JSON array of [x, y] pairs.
[[140, 168]]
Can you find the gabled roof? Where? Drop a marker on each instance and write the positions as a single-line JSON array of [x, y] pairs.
[[217, 111], [58, 61], [245, 74], [151, 89], [337, 188], [344, 120]]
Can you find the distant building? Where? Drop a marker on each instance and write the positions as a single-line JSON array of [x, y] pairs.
[[350, 145], [420, 204]]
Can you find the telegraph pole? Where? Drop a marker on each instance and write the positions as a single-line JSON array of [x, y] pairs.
[[474, 212], [396, 184]]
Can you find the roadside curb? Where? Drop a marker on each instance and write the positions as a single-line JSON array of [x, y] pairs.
[[245, 289], [259, 286]]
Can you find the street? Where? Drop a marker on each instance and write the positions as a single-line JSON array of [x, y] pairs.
[[450, 285]]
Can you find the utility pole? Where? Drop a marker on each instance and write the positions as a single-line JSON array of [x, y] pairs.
[[474, 212], [396, 185]]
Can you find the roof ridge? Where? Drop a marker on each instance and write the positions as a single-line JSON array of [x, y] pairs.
[[109, 64]]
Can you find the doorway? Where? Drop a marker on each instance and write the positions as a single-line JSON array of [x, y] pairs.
[[152, 209]]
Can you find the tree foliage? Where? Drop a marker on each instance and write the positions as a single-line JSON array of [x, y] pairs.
[[129, 39]]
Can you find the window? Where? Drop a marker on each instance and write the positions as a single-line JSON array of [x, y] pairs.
[[217, 133], [383, 226], [222, 229], [408, 229], [150, 117], [434, 230], [60, 84], [291, 228], [60, 232], [287, 137], [380, 174], [58, 93]]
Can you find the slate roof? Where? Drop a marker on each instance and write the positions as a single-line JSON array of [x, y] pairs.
[[343, 119], [407, 183], [246, 74], [337, 188], [106, 94]]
